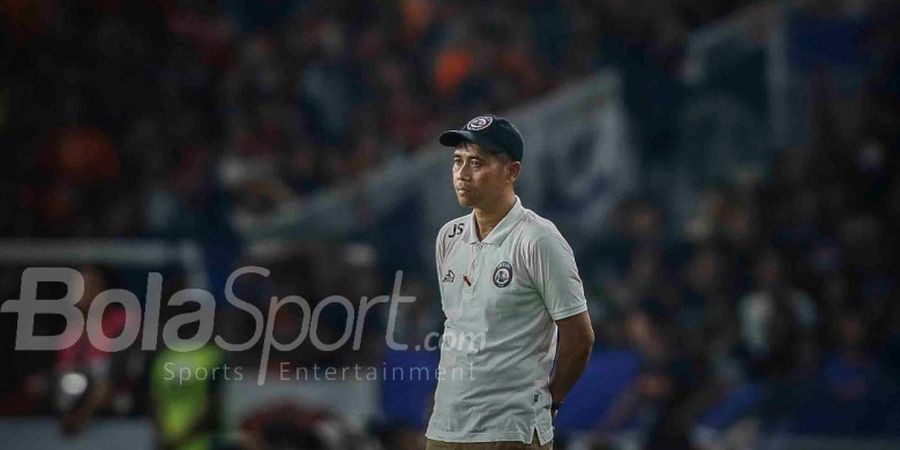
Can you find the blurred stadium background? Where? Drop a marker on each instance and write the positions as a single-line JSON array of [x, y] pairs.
[[725, 170]]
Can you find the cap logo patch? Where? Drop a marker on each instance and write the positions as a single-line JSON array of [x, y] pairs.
[[479, 123]]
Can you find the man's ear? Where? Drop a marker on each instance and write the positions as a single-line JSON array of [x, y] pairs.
[[513, 170]]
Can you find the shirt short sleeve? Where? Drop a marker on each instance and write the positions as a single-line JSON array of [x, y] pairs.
[[439, 252], [555, 276]]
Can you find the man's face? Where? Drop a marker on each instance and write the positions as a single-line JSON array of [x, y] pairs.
[[479, 177]]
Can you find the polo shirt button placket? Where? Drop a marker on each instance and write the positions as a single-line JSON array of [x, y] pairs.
[[473, 269]]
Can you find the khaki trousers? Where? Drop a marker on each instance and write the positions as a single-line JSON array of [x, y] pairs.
[[504, 445]]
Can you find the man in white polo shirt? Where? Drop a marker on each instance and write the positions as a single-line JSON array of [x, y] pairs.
[[508, 283]]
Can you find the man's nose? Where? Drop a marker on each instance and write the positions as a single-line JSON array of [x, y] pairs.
[[463, 173]]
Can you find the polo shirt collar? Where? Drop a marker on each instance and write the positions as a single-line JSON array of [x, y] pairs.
[[499, 233]]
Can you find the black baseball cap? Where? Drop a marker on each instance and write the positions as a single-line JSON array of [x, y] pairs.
[[494, 134]]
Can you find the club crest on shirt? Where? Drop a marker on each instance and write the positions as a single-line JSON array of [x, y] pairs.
[[503, 275], [449, 276]]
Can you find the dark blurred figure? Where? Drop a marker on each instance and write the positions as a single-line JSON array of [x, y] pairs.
[[186, 391], [288, 426], [630, 266], [709, 312], [778, 330], [186, 381], [778, 321], [90, 379], [664, 395], [852, 370]]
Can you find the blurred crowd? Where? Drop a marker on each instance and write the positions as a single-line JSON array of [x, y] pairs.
[[777, 284], [189, 118], [777, 299], [132, 118]]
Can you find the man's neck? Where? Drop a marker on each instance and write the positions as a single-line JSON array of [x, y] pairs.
[[488, 216]]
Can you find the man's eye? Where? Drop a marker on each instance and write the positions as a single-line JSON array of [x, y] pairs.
[[476, 163]]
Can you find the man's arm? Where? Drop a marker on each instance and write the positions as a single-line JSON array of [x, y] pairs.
[[576, 338], [439, 253]]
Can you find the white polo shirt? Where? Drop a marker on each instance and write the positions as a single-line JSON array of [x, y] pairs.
[[501, 297]]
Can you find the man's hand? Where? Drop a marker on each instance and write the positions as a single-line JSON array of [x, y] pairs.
[[554, 410], [576, 338]]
